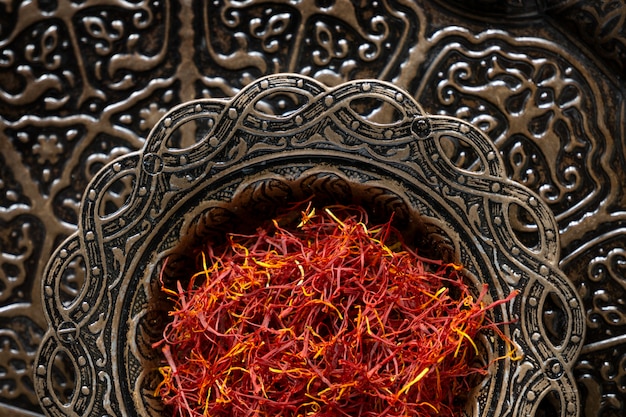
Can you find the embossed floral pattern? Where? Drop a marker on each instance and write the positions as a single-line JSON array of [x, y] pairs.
[[82, 82]]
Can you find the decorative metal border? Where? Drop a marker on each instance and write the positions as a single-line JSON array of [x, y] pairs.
[[414, 157]]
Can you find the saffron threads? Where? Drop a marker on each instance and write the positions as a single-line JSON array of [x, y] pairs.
[[329, 317]]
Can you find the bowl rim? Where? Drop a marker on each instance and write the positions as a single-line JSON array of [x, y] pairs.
[[243, 144]]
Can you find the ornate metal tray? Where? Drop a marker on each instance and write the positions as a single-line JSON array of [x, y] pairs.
[[212, 164]]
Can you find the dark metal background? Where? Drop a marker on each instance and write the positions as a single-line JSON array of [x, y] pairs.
[[82, 82]]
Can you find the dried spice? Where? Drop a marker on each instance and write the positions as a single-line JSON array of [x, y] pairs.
[[329, 317]]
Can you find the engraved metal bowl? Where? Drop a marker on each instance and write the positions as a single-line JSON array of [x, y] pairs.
[[212, 164]]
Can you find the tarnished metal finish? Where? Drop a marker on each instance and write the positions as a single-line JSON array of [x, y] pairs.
[[251, 158], [540, 106], [600, 24], [83, 82]]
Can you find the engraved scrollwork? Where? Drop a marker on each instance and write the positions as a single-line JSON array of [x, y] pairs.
[[236, 169], [600, 24], [600, 274], [539, 108], [607, 309], [11, 190], [612, 267], [601, 378], [74, 78], [19, 339], [83, 82], [117, 47], [597, 269], [18, 252], [496, 8], [330, 41]]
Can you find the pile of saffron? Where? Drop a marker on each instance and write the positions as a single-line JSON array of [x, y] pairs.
[[328, 317]]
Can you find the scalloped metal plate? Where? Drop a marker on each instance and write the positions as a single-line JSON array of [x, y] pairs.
[[241, 147]]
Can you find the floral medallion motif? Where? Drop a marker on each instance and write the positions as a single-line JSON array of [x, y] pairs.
[[540, 109]]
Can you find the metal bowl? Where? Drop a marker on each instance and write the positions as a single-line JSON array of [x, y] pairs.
[[210, 165]]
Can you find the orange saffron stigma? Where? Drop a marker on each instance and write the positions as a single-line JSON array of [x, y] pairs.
[[330, 316]]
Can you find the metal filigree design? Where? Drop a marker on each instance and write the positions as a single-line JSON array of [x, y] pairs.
[[280, 139], [518, 9], [602, 25], [76, 83], [598, 269], [82, 82], [333, 41], [541, 110]]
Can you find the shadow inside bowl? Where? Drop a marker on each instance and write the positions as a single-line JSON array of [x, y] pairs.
[[253, 206]]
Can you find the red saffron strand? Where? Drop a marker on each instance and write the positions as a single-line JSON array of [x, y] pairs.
[[331, 317]]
